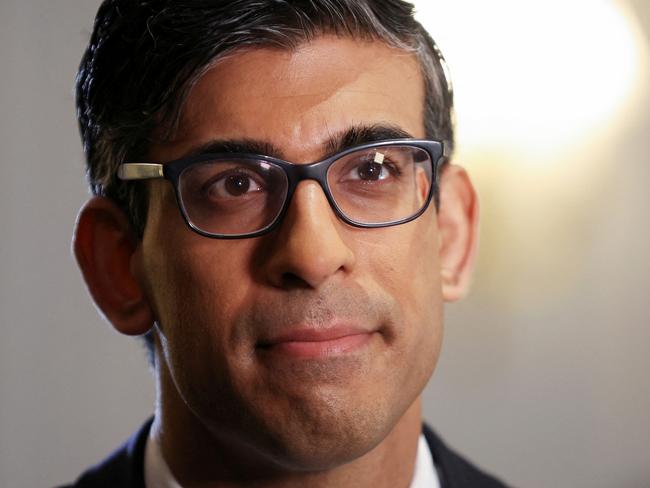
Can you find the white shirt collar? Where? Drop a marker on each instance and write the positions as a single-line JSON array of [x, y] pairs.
[[156, 471], [158, 475], [424, 474]]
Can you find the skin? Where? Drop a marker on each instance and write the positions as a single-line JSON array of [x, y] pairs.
[[233, 413]]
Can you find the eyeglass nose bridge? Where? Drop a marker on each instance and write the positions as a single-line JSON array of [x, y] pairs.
[[296, 173]]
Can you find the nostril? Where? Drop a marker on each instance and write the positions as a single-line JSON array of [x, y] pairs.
[[293, 281]]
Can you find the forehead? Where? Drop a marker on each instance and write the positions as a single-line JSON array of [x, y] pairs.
[[297, 99]]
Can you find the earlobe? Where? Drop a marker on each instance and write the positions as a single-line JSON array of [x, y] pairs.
[[458, 231], [105, 245]]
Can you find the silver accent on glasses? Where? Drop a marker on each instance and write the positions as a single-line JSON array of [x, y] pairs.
[[139, 171]]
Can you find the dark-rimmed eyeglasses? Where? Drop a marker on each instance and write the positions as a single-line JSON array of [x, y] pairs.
[[231, 196]]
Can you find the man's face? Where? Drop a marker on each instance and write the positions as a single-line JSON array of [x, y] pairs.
[[311, 342]]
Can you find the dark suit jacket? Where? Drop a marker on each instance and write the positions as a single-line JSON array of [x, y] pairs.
[[125, 467]]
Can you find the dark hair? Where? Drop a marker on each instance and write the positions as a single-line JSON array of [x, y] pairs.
[[144, 56]]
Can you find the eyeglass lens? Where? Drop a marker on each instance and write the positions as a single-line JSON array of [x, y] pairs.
[[370, 186]]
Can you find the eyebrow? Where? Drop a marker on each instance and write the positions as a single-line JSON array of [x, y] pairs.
[[235, 146], [364, 134], [351, 137]]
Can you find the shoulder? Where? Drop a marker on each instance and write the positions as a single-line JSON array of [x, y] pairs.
[[124, 467], [455, 471]]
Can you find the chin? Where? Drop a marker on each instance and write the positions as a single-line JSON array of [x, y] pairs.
[[325, 429], [325, 442]]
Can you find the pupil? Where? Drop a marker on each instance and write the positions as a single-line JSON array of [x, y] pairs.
[[370, 171], [237, 184]]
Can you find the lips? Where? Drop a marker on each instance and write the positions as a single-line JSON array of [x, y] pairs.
[[308, 342]]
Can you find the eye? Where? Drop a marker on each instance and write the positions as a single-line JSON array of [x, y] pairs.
[[370, 171], [232, 185], [369, 168]]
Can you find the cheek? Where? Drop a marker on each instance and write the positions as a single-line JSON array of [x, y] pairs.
[[421, 294], [198, 287], [404, 264], [198, 295], [405, 261], [195, 285]]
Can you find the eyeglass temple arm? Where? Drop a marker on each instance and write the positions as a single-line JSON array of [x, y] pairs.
[[140, 171]]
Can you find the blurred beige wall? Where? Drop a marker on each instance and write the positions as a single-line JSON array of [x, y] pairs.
[[544, 373]]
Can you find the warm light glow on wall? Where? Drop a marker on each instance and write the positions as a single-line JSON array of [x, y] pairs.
[[538, 77], [545, 94]]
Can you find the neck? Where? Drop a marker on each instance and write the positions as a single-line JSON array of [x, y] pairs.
[[197, 457]]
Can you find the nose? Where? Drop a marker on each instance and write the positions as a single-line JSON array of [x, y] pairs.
[[308, 248]]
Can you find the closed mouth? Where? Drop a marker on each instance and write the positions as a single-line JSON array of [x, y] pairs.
[[308, 342]]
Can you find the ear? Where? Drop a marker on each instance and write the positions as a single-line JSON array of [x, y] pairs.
[[458, 231], [105, 247]]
